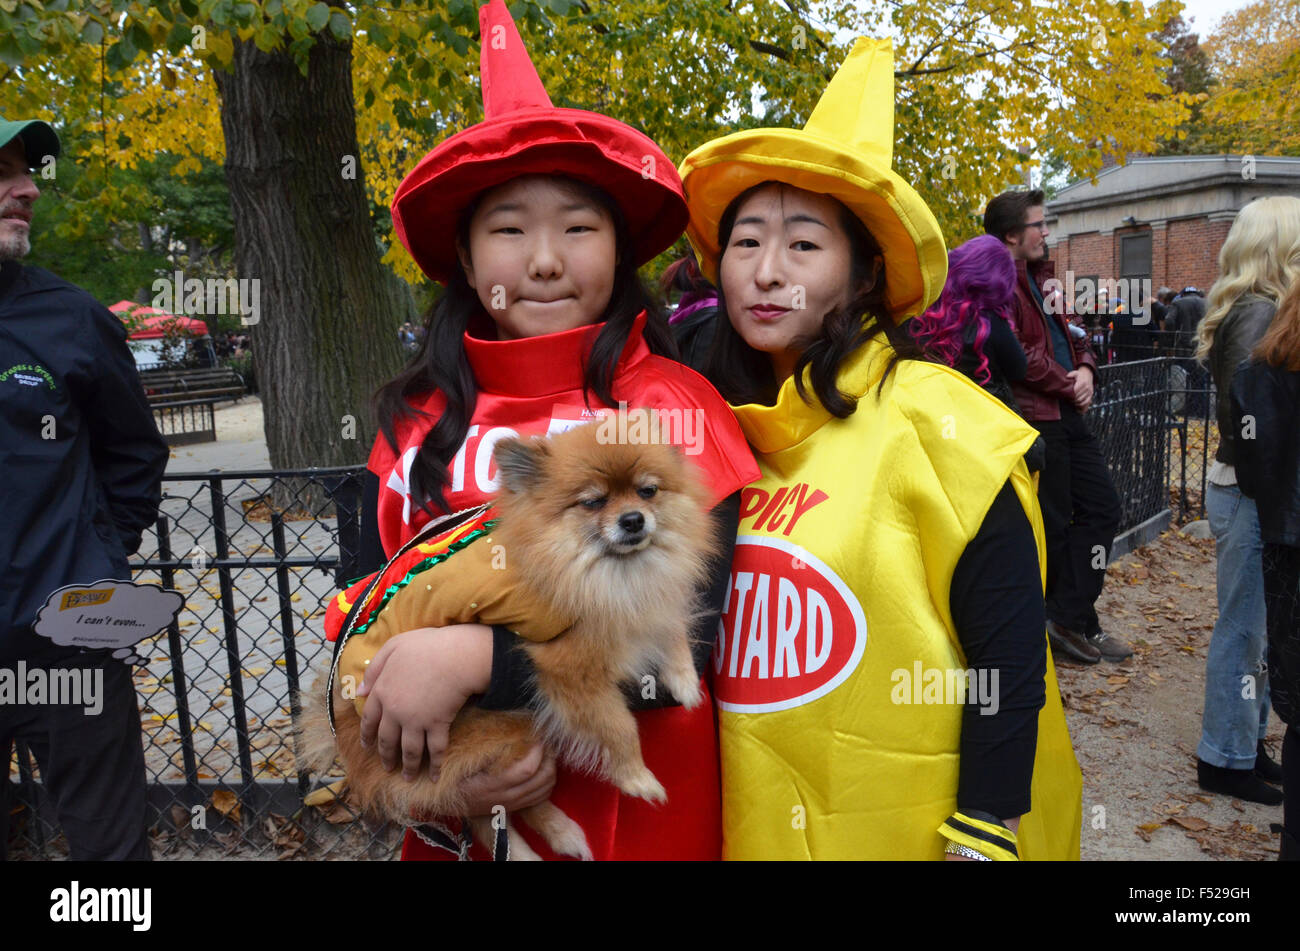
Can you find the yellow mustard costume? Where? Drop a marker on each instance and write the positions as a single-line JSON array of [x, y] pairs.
[[840, 582], [848, 576]]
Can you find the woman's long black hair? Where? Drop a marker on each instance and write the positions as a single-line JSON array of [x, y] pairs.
[[441, 364], [744, 375]]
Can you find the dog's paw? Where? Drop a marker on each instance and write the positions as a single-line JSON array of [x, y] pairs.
[[685, 689], [643, 785], [562, 834], [690, 698], [569, 840]]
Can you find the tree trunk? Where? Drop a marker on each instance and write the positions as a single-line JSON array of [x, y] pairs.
[[327, 334]]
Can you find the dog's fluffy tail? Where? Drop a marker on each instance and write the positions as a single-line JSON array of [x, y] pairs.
[[316, 749]]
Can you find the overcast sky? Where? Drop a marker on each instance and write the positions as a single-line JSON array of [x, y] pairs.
[[1207, 13]]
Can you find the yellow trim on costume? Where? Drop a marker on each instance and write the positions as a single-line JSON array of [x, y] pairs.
[[446, 541], [980, 844]]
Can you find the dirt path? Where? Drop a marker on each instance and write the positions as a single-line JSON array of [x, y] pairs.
[[1136, 725]]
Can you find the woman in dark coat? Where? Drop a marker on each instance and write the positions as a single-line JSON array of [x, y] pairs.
[[1266, 410]]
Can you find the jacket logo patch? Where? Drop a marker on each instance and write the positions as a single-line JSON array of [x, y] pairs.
[[791, 630], [28, 374]]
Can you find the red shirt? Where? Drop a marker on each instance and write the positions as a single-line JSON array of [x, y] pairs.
[[531, 387]]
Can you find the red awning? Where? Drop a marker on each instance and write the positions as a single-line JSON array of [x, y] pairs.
[[156, 322]]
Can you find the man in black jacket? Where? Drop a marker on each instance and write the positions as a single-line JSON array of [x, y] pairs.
[[81, 465], [1185, 315]]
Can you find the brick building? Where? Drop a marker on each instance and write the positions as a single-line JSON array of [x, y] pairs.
[[1161, 219]]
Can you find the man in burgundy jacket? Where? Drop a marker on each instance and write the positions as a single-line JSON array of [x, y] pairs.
[[1081, 509]]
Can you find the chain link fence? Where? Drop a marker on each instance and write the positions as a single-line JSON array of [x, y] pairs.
[[256, 555]]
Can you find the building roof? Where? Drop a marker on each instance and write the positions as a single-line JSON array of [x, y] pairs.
[[1160, 176]]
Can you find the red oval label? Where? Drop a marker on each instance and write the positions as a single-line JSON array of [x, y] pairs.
[[791, 630]]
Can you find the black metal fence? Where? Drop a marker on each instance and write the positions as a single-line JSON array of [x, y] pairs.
[[186, 422], [218, 699], [1155, 420], [256, 554]]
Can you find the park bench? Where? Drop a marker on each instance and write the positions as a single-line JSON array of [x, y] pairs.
[[169, 386]]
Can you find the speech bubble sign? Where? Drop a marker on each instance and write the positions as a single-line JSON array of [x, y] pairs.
[[107, 615]]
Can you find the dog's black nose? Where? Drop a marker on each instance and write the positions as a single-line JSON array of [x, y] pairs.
[[631, 522]]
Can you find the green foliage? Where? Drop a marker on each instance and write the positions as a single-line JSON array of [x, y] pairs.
[[186, 219], [1190, 71], [243, 365], [975, 81], [103, 256]]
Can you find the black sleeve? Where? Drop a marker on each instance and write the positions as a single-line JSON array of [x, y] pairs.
[[1006, 350], [1268, 457], [126, 449], [512, 673], [1247, 465], [997, 608], [371, 557]]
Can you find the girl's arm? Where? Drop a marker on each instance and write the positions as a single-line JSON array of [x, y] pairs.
[[416, 684], [510, 684], [464, 668], [997, 607]]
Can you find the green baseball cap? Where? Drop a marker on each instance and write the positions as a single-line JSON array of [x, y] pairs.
[[38, 138]]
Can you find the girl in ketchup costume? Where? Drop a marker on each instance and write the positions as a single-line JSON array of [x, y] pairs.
[[535, 220]]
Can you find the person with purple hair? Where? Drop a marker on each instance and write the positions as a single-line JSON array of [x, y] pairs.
[[969, 327], [692, 322]]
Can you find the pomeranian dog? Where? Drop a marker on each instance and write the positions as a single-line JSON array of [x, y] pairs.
[[614, 536]]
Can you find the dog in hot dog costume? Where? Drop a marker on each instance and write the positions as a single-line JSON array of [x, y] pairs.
[[602, 590]]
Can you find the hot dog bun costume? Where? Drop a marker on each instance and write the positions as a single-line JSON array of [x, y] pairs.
[[448, 573], [849, 540], [534, 386]]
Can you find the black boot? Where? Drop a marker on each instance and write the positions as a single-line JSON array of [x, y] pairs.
[[1240, 783], [1265, 768]]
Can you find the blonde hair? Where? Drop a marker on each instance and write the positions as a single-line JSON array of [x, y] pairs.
[[1260, 256]]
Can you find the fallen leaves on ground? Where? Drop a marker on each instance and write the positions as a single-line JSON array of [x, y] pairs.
[[226, 803]]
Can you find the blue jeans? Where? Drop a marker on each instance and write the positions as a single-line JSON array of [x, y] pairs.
[[1236, 708]]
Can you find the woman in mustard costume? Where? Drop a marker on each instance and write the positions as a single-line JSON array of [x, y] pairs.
[[882, 671]]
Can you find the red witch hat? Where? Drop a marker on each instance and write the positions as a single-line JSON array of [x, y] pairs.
[[522, 134]]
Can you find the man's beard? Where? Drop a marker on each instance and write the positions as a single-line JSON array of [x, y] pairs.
[[15, 248]]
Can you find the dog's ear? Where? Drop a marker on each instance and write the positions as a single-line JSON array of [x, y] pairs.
[[520, 464]]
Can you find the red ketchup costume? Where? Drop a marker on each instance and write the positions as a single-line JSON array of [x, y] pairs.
[[533, 386]]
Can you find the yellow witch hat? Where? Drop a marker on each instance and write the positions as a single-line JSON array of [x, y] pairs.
[[844, 151]]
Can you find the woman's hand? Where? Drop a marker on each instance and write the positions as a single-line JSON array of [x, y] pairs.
[[415, 685]]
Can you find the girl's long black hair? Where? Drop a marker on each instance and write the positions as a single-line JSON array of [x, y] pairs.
[[441, 364], [744, 375]]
